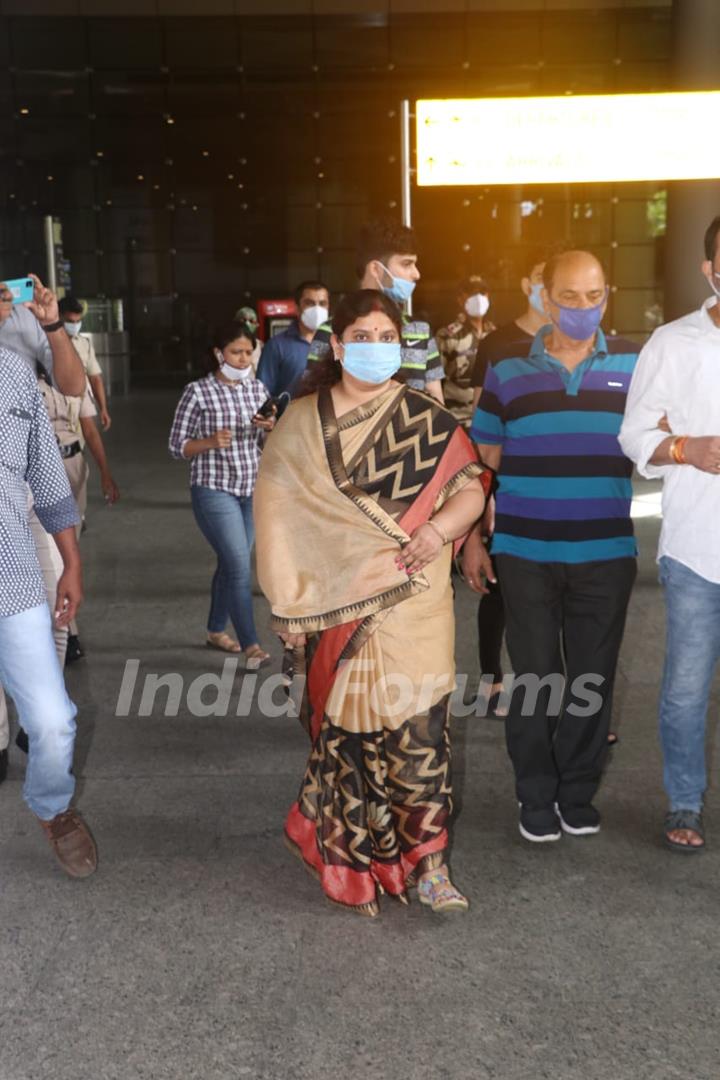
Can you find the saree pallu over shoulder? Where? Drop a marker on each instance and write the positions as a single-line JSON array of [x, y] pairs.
[[323, 558], [332, 502]]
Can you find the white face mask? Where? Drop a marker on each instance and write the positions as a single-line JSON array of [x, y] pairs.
[[73, 328], [234, 374], [313, 317], [477, 305], [714, 277]]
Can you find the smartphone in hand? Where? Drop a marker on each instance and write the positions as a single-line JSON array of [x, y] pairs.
[[273, 406], [267, 409], [21, 290]]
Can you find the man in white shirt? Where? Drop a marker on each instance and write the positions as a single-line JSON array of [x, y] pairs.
[[678, 374]]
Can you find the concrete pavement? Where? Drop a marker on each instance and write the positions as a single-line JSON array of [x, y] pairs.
[[202, 950]]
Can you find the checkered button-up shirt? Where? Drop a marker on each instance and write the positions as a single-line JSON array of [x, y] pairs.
[[210, 405], [29, 456]]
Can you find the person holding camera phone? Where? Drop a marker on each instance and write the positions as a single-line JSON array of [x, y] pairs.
[[30, 668], [219, 426]]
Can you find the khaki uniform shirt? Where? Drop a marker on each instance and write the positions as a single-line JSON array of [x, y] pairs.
[[86, 352], [65, 412]]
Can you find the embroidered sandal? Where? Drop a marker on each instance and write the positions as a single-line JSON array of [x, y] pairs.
[[439, 894]]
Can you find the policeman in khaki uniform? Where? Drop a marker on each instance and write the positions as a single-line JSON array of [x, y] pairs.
[[73, 422], [72, 311]]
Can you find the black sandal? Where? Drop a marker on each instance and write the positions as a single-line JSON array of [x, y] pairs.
[[684, 819]]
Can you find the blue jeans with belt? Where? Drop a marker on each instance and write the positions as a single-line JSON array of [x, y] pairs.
[[226, 522], [30, 672], [691, 653]]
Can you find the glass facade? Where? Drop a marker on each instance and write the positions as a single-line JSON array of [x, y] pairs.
[[199, 163]]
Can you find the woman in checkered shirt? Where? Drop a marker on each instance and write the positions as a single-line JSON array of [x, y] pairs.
[[217, 428]]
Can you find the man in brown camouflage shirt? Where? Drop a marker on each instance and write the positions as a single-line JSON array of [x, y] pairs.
[[458, 344]]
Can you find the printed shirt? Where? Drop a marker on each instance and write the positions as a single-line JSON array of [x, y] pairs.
[[29, 456], [678, 374], [283, 360], [458, 344], [420, 364], [564, 484], [207, 406]]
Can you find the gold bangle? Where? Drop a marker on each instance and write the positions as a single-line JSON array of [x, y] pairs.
[[677, 449], [441, 533]]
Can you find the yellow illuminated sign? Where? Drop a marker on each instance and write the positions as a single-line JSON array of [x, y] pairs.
[[568, 140]]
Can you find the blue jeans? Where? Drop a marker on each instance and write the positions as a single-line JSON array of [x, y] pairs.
[[691, 653], [226, 522], [30, 672]]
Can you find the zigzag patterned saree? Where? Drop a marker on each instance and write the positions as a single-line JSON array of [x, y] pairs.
[[335, 502]]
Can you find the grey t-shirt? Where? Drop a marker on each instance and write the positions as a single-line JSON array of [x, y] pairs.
[[22, 334]]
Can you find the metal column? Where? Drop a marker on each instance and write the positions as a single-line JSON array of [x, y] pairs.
[[51, 268], [407, 171], [692, 204]]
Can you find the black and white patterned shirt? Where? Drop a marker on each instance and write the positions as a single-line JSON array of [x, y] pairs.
[[207, 406], [29, 456]]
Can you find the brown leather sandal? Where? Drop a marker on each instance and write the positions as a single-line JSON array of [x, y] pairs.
[[223, 643]]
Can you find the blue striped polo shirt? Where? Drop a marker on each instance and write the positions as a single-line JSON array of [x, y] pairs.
[[564, 484]]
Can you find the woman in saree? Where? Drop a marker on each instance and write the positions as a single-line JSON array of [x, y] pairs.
[[365, 489]]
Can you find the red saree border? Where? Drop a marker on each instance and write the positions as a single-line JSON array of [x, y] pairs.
[[356, 887], [324, 668]]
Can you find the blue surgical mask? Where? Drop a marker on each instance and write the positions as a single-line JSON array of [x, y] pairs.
[[535, 298], [579, 323], [372, 361], [401, 290]]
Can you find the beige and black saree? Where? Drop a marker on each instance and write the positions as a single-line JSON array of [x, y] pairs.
[[334, 503]]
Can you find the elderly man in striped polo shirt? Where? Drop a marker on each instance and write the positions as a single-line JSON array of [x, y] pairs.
[[548, 421]]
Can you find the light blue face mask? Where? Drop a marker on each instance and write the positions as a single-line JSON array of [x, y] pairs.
[[372, 361], [579, 323], [535, 298], [401, 290]]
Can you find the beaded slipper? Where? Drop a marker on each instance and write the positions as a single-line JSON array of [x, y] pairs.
[[438, 893]]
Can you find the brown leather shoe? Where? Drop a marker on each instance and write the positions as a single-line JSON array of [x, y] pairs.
[[72, 843]]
